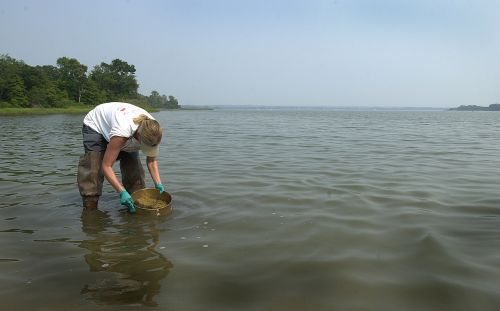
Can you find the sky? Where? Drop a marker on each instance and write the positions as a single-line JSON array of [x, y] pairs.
[[384, 53]]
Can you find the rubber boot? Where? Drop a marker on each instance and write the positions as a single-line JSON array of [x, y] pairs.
[[90, 178], [133, 177]]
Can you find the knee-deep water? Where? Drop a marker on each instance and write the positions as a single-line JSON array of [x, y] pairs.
[[286, 209]]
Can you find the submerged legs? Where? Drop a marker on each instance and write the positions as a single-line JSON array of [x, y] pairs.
[[90, 178]]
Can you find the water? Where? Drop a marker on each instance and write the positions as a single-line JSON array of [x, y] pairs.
[[273, 210]]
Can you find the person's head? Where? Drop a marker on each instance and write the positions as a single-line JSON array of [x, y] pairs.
[[150, 133]]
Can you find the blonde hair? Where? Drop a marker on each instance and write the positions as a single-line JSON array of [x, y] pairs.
[[149, 130]]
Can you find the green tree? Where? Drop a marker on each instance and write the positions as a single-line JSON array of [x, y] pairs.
[[40, 86], [155, 99], [23, 85], [494, 107], [72, 77], [162, 101], [172, 102], [51, 72], [92, 95], [47, 95], [16, 94], [11, 83], [117, 79]]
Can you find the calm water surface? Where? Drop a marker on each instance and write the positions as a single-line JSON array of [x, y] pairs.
[[273, 210]]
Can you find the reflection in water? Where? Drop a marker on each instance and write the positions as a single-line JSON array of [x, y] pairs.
[[129, 269]]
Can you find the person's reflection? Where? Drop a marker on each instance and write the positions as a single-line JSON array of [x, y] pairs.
[[128, 268]]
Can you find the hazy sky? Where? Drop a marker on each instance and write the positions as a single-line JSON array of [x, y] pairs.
[[418, 53]]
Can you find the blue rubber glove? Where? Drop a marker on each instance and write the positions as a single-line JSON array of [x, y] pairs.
[[160, 187], [126, 199]]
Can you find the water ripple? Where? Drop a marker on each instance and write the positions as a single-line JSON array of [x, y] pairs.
[[272, 210]]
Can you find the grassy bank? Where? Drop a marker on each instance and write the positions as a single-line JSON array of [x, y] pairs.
[[11, 111], [42, 111]]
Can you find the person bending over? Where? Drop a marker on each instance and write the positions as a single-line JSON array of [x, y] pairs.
[[117, 131]]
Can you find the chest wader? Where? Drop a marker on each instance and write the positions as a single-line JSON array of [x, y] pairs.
[[90, 177], [132, 171]]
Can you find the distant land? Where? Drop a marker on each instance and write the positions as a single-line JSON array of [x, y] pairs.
[[492, 107], [337, 108]]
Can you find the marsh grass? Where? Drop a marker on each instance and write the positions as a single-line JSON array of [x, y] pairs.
[[80, 109], [42, 111]]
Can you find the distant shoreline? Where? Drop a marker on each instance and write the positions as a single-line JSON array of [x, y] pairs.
[[332, 108], [492, 107], [188, 107]]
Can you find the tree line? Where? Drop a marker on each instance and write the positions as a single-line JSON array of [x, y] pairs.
[[70, 83], [492, 107]]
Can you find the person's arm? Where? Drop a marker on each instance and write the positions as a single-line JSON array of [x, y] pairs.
[[152, 164], [112, 150]]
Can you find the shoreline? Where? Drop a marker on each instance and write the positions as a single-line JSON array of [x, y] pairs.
[[43, 111], [17, 111]]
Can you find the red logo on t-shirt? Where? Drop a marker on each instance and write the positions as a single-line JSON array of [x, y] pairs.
[[123, 109]]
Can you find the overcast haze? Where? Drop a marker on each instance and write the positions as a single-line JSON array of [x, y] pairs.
[[275, 52]]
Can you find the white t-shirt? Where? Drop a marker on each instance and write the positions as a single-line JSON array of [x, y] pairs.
[[116, 119]]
